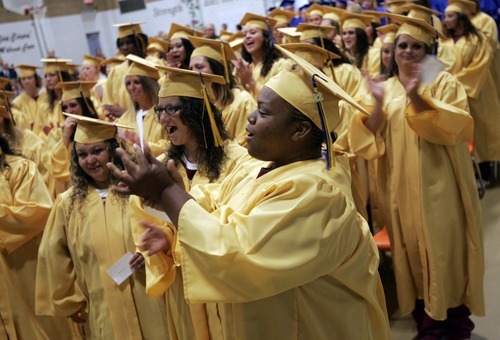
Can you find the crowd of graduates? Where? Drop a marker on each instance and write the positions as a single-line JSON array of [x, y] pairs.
[[244, 174]]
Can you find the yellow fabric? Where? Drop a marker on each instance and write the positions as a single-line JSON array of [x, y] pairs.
[[350, 79], [487, 25], [461, 6], [75, 89], [278, 65], [115, 91], [446, 55], [90, 60], [46, 116], [371, 62], [56, 65], [31, 147], [235, 115], [126, 29], [93, 133], [162, 275], [24, 109], [26, 70], [153, 130], [56, 161], [329, 267], [142, 67], [473, 70], [77, 248], [24, 207], [427, 167]]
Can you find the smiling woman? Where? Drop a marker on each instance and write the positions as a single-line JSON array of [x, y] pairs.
[[88, 230]]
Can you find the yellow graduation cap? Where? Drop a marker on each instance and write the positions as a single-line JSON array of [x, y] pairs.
[[179, 31], [91, 130], [259, 21], [215, 49], [26, 70], [112, 62], [395, 6], [126, 29], [420, 12], [5, 111], [142, 67], [73, 68], [90, 60], [376, 16], [282, 17], [312, 93], [157, 45], [418, 29], [332, 13], [313, 54], [225, 35], [461, 6], [388, 32], [355, 20], [55, 65], [310, 31], [236, 39], [75, 89], [187, 83], [315, 9], [291, 34], [3, 82]]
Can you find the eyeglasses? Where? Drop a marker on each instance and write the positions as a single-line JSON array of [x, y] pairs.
[[170, 110]]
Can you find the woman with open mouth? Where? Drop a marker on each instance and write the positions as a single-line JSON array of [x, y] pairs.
[[87, 232], [260, 60], [201, 153], [214, 57], [180, 48]]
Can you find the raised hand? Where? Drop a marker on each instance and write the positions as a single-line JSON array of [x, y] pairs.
[[70, 124], [113, 112], [153, 239], [147, 178]]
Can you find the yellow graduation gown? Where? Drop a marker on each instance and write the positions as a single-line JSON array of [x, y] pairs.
[[350, 79], [282, 256], [56, 160], [24, 207], [46, 116], [115, 91], [473, 70], [436, 225], [260, 81], [24, 109], [235, 114], [78, 247], [153, 130], [185, 321]]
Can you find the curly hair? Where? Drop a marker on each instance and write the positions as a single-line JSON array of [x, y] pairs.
[[269, 55], [194, 115], [81, 181]]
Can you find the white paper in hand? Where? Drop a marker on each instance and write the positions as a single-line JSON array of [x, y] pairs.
[[431, 67], [157, 213], [121, 270]]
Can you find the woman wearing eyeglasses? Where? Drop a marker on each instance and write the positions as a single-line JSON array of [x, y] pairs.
[[142, 85], [202, 153]]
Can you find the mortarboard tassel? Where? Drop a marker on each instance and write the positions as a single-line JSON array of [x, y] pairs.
[[318, 98]]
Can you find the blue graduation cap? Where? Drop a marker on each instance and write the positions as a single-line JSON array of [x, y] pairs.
[[287, 3], [303, 8]]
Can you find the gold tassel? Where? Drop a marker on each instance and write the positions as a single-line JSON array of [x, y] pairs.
[[224, 61], [218, 142]]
